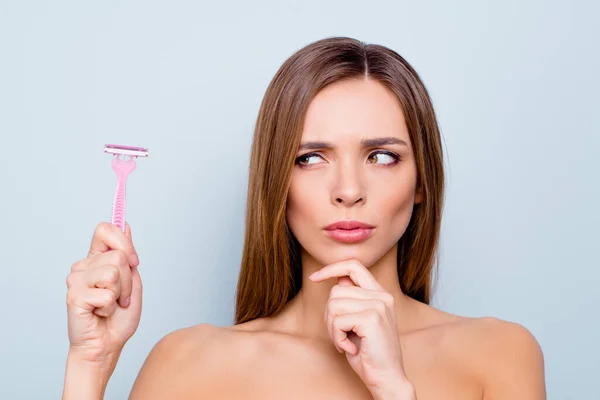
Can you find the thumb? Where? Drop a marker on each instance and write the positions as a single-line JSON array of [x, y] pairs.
[[136, 290], [127, 230], [135, 258]]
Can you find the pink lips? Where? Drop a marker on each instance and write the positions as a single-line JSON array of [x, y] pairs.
[[349, 231]]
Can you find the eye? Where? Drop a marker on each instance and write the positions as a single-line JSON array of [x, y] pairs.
[[383, 157], [308, 159]]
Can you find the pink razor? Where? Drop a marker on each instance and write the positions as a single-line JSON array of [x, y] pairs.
[[122, 167]]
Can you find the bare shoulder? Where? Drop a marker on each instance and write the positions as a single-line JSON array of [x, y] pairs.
[[498, 359], [512, 360], [506, 356], [189, 362]]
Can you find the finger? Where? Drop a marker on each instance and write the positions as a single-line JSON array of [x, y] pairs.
[[103, 300], [357, 292], [359, 274], [341, 306], [106, 311], [125, 283], [134, 258], [348, 299], [345, 281], [128, 231], [117, 279], [337, 336], [110, 257], [118, 259], [136, 291], [361, 322], [109, 237], [336, 307], [113, 259], [358, 323], [341, 340], [87, 299]]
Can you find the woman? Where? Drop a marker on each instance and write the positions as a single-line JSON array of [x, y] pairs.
[[343, 218]]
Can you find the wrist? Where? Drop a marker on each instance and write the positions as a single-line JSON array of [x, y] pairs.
[[85, 378], [401, 389]]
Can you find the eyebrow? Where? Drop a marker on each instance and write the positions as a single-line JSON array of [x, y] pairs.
[[377, 142]]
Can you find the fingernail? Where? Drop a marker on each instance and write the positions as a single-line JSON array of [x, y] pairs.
[[134, 259], [313, 275], [127, 301]]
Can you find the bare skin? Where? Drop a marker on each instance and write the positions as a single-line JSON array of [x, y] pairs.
[[445, 356], [407, 350]]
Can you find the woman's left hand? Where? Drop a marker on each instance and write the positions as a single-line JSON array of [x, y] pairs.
[[361, 320]]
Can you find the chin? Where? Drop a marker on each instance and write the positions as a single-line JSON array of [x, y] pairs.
[[340, 252]]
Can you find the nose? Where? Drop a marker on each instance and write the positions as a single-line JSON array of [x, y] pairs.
[[348, 189]]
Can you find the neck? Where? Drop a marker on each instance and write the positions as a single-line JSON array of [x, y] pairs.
[[303, 315]]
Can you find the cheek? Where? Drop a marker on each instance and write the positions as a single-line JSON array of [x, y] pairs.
[[300, 205], [397, 202], [396, 205], [400, 212]]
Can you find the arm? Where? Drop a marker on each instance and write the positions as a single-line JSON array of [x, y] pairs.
[[515, 364]]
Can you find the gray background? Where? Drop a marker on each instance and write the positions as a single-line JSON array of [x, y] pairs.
[[515, 86]]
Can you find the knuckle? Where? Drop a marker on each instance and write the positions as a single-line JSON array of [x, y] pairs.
[[100, 312], [110, 297], [77, 265], [71, 280], [332, 304], [71, 297], [119, 258], [388, 299], [335, 290], [112, 274], [335, 322], [102, 229], [374, 315]]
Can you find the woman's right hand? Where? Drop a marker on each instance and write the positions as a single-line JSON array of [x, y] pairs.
[[104, 297]]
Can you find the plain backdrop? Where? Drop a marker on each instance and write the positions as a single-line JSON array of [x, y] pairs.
[[514, 83]]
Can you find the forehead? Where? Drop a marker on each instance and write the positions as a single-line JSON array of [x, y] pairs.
[[354, 109]]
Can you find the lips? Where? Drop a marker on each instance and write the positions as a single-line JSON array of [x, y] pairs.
[[349, 231], [348, 225]]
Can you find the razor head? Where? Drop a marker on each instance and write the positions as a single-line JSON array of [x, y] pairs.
[[131, 151]]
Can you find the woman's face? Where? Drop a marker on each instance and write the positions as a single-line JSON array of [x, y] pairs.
[[355, 163]]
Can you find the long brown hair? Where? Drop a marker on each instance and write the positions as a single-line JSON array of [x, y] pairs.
[[271, 272]]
